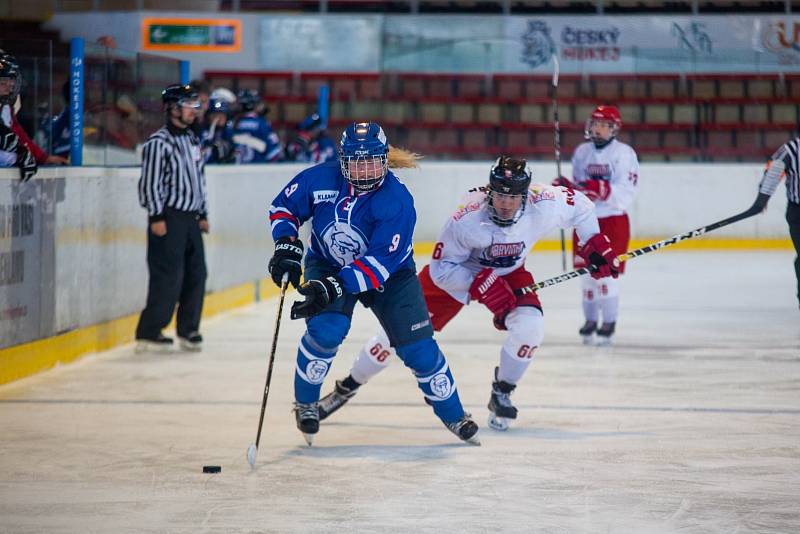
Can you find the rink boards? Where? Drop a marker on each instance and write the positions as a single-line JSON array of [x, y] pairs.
[[73, 241]]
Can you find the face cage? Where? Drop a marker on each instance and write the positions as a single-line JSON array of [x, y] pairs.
[[11, 97], [364, 184], [495, 217], [587, 131]]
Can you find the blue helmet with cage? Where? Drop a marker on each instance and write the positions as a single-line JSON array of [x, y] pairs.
[[218, 106], [364, 155]]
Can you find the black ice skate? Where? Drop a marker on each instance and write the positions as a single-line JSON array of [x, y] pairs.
[[337, 398], [500, 407], [160, 343], [605, 333], [307, 416], [466, 429], [193, 342], [587, 332]]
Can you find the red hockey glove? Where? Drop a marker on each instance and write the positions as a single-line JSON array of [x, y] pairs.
[[493, 292], [601, 258], [561, 181], [595, 189]]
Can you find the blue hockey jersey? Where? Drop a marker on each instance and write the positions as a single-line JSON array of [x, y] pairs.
[[255, 141], [368, 235]]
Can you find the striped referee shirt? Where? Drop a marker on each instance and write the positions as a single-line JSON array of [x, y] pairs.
[[784, 163], [172, 173]]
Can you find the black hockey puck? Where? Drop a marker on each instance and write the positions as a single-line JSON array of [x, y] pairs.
[[211, 469]]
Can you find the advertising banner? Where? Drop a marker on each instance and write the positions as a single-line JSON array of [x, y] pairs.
[[27, 266], [436, 43], [525, 44], [321, 43], [638, 44], [191, 35]]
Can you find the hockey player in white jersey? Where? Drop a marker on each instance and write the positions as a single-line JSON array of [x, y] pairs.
[[480, 256], [607, 171]]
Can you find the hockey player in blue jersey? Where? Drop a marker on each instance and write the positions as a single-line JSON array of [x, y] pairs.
[[217, 135], [362, 221], [252, 134], [311, 143]]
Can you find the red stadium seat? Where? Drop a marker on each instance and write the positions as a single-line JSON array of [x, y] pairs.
[[666, 116]]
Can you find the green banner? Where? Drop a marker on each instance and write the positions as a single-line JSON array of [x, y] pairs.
[[180, 35]]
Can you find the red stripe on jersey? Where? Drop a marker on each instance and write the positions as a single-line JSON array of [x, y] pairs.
[[283, 215], [368, 272]]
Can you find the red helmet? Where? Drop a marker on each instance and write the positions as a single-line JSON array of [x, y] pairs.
[[606, 114]]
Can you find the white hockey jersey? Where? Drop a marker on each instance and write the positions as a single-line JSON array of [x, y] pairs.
[[617, 164], [470, 241]]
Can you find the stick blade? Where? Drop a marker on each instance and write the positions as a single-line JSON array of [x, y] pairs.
[[252, 451]]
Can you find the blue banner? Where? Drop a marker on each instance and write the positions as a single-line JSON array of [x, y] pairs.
[[76, 82]]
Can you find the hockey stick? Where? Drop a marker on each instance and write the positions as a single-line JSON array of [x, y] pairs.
[[252, 451], [557, 147], [757, 207]]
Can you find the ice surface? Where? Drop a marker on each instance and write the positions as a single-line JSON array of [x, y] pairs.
[[690, 423]]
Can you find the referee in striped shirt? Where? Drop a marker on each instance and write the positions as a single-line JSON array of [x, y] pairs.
[[172, 188], [785, 163]]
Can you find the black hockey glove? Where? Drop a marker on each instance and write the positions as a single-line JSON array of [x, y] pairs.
[[287, 258], [26, 163], [9, 142], [319, 294], [8, 139], [221, 151]]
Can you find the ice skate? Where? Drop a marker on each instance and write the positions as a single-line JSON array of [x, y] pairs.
[[307, 416], [192, 343], [587, 332], [336, 398], [605, 333], [466, 429], [160, 343], [500, 407]]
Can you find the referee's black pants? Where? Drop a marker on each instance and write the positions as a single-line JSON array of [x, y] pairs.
[[177, 267], [793, 218]]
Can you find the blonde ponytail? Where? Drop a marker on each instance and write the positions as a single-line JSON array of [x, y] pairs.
[[400, 158]]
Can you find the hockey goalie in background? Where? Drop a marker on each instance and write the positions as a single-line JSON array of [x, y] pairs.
[[480, 256], [607, 171]]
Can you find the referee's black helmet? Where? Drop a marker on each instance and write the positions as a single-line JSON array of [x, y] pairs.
[[178, 93]]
